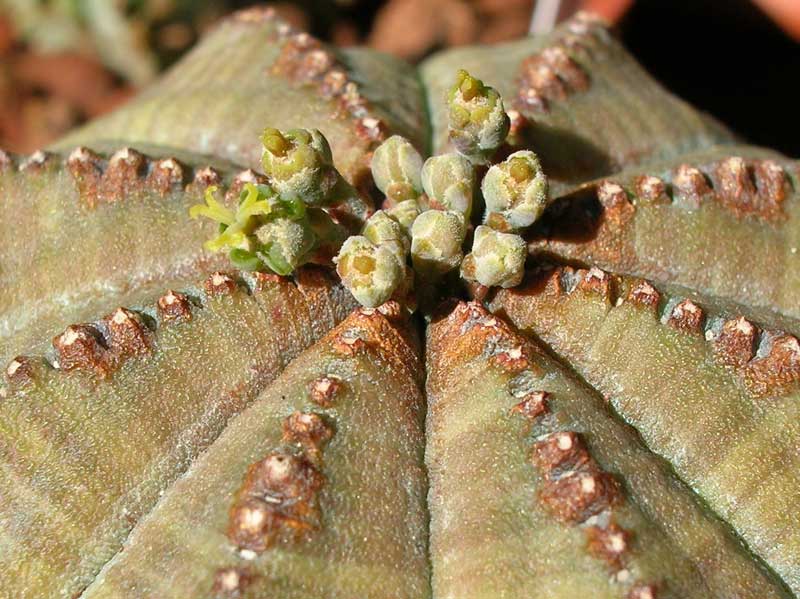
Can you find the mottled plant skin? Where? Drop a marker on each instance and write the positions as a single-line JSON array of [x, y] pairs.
[[396, 166], [477, 121], [88, 448], [507, 429], [515, 192], [449, 182], [692, 384], [695, 222], [372, 539], [602, 112]]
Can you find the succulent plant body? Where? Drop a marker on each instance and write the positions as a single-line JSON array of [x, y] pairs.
[[623, 429]]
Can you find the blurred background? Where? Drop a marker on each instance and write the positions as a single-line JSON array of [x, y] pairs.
[[65, 61]]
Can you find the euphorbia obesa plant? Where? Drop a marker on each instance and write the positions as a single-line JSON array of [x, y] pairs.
[[573, 372]]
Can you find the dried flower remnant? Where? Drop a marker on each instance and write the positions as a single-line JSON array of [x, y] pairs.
[[449, 182], [396, 167], [436, 240], [276, 502], [477, 122], [371, 272], [497, 259], [515, 192]]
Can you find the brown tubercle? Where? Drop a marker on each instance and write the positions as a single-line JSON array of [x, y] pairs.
[[78, 347], [173, 306], [126, 335], [609, 543], [308, 430], [276, 502], [533, 405], [687, 316], [19, 372], [220, 283], [230, 583], [323, 391]]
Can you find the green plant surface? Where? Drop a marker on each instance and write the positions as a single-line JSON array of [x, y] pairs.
[[724, 234], [88, 447], [503, 525], [372, 539], [252, 72], [701, 391]]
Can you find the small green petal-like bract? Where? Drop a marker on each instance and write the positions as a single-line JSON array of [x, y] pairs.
[[449, 181], [298, 164], [436, 239], [477, 121], [515, 192], [371, 272], [382, 229], [497, 259], [396, 167], [268, 231], [405, 213], [235, 227]]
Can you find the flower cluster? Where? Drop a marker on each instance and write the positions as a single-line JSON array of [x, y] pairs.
[[427, 215]]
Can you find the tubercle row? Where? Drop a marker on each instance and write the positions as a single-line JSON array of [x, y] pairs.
[[126, 172], [100, 348], [768, 361], [575, 490]]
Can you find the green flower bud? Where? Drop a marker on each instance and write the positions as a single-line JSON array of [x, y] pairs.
[[497, 259], [371, 272], [284, 244], [515, 192], [449, 181], [396, 167], [478, 123], [298, 164], [405, 213], [271, 232], [436, 239], [382, 229]]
